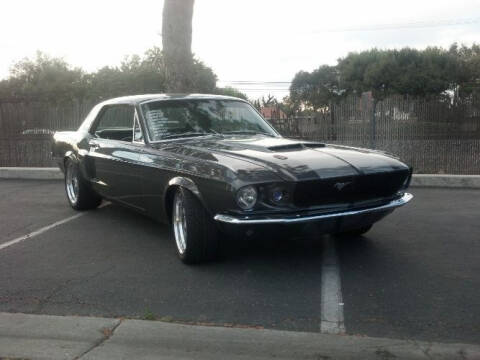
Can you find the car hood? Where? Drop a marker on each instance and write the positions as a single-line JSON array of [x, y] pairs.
[[292, 160]]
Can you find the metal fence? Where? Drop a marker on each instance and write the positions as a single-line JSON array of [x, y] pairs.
[[434, 136], [26, 129]]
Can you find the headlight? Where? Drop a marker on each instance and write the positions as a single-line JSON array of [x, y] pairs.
[[247, 197], [279, 195]]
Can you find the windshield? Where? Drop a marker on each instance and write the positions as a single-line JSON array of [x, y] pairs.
[[175, 118]]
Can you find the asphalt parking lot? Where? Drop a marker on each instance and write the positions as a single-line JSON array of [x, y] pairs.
[[415, 275]]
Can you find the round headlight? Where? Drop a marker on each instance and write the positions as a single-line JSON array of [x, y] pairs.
[[247, 197], [278, 195]]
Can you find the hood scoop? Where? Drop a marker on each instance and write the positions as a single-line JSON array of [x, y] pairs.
[[295, 146], [313, 145]]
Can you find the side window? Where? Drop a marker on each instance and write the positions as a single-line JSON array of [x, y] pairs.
[[116, 123], [137, 130]]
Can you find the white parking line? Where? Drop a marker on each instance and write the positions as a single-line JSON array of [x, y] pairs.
[[45, 228], [332, 304], [39, 231]]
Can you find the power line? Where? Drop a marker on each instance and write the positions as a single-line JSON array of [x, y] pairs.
[[263, 90], [254, 82], [244, 88], [407, 25]]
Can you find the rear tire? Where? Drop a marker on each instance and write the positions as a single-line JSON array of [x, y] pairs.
[[355, 232], [196, 235], [79, 194]]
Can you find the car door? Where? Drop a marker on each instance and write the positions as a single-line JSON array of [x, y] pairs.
[[114, 148]]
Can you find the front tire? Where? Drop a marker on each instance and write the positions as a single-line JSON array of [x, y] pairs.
[[79, 194], [196, 235]]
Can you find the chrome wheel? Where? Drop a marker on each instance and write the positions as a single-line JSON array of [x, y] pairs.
[[71, 180], [179, 223]]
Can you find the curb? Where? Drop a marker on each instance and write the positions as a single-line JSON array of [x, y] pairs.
[[448, 181], [418, 180], [73, 337], [31, 173]]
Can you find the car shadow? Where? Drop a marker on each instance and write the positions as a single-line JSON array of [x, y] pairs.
[[269, 244]]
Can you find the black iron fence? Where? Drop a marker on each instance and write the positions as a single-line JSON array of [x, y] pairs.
[[434, 136]]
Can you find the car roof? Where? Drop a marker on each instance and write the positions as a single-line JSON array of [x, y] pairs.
[[136, 99]]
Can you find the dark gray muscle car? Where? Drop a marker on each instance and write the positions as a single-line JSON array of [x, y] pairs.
[[211, 164]]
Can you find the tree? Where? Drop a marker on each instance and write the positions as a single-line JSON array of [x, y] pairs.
[[230, 91], [425, 73], [373, 71], [406, 72], [202, 78], [177, 43], [257, 104], [430, 72], [136, 75], [468, 69], [288, 106], [52, 78], [43, 77], [270, 100], [316, 89]]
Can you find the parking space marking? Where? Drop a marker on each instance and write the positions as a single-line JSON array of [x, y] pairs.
[[45, 228], [39, 231], [332, 321]]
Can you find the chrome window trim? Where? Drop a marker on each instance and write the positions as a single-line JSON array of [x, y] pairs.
[[101, 111], [143, 124], [136, 121], [150, 141], [246, 220]]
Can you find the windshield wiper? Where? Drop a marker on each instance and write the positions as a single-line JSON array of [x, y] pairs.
[[248, 132], [185, 134]]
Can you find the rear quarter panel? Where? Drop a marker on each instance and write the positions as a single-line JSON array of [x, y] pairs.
[[64, 145]]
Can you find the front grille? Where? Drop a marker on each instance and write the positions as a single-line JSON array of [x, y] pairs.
[[349, 189]]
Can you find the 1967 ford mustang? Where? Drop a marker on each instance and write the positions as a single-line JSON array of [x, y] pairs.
[[211, 164]]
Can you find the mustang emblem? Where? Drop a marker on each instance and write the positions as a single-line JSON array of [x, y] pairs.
[[341, 185]]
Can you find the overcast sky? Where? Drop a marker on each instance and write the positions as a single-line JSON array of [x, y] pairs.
[[247, 40]]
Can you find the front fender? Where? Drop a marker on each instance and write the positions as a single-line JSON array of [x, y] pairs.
[[186, 183]]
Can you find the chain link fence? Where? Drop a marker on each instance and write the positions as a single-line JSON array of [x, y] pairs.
[[27, 126], [432, 135]]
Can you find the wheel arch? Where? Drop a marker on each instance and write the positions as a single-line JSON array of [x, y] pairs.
[[69, 155], [173, 185], [72, 156]]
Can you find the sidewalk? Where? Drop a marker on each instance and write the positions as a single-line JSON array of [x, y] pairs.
[[68, 337]]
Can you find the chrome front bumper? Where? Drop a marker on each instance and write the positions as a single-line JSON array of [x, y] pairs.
[[250, 220]]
